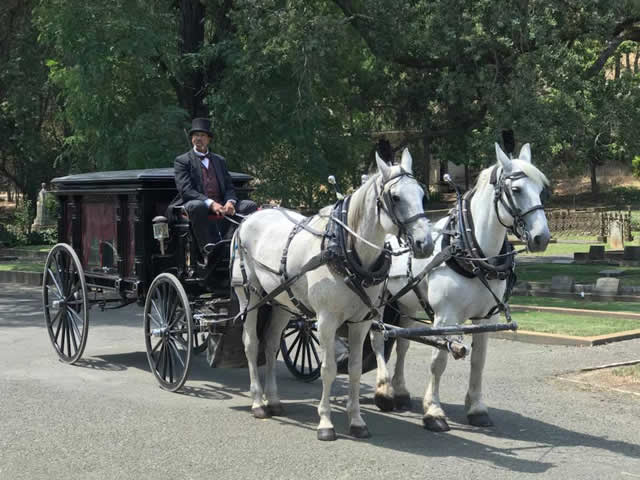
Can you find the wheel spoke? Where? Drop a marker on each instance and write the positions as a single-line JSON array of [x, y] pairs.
[[56, 283], [164, 360], [290, 347], [56, 318], [159, 322], [153, 350], [72, 334], [60, 323], [304, 351], [177, 353], [75, 325], [68, 338], [315, 352], [293, 330], [295, 361]]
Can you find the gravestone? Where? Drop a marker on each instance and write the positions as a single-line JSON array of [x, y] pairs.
[[562, 283], [608, 286], [43, 219], [616, 235], [596, 252], [611, 272], [631, 253]]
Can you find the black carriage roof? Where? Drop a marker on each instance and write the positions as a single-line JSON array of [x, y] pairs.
[[150, 177]]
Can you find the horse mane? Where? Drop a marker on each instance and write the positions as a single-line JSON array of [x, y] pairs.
[[530, 170], [356, 206]]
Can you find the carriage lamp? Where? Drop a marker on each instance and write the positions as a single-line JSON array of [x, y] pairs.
[[160, 230]]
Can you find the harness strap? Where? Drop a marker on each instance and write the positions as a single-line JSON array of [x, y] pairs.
[[283, 270]]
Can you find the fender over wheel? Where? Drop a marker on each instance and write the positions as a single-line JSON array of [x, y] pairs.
[[65, 304], [168, 331]]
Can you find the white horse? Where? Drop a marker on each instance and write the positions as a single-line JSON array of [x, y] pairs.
[[390, 202], [506, 198]]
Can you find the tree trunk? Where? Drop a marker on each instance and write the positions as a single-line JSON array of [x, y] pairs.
[[637, 59], [616, 74], [191, 89], [9, 194], [426, 147], [594, 180]]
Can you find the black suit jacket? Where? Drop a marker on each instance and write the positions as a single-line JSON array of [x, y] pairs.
[[188, 172]]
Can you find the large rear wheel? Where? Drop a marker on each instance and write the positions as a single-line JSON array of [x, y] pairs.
[[168, 331], [64, 298]]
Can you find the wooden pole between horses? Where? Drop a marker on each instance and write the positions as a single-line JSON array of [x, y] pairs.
[[392, 331]]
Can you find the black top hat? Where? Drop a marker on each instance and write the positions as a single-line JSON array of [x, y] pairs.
[[201, 125]]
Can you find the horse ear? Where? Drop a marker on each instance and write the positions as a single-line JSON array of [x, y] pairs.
[[525, 153], [407, 161], [503, 160], [382, 167]]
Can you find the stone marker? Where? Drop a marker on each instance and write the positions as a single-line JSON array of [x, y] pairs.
[[43, 219], [631, 253], [607, 286], [596, 252], [616, 235], [562, 283], [611, 272]]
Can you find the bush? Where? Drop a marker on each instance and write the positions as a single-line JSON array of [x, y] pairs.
[[635, 166], [47, 236]]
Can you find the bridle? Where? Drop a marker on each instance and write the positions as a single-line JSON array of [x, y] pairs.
[[386, 204], [502, 190]]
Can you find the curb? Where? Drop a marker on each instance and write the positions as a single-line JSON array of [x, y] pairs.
[[567, 340], [28, 278]]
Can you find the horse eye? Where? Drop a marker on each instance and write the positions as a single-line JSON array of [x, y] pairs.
[[395, 198], [515, 189]]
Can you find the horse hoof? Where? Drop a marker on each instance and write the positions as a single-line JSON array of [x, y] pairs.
[[436, 424], [359, 432], [402, 402], [480, 420], [383, 402], [275, 410], [260, 412], [326, 434]]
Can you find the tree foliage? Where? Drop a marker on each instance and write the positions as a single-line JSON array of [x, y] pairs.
[[299, 89]]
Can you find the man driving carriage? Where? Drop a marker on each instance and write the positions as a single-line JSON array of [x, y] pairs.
[[205, 188]]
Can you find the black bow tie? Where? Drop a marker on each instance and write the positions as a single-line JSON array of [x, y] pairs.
[[202, 155]]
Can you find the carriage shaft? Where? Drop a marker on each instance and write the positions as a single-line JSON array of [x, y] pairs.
[[391, 331]]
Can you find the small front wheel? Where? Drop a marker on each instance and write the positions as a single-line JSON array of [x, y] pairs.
[[299, 346], [168, 331]]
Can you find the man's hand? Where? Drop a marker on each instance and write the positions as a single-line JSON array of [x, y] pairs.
[[229, 208], [217, 208]]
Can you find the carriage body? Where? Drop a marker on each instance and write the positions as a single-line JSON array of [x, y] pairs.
[[107, 218]]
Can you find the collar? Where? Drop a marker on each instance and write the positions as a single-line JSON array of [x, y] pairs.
[[200, 155]]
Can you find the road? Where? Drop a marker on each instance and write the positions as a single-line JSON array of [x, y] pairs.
[[107, 418]]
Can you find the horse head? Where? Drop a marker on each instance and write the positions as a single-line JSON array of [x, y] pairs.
[[519, 193], [400, 205]]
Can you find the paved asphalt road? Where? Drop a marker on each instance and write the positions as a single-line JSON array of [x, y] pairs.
[[107, 419]]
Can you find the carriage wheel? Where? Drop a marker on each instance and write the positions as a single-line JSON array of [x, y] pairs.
[[168, 331], [64, 297], [300, 349]]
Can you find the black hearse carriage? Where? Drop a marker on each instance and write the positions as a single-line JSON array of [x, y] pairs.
[[117, 247]]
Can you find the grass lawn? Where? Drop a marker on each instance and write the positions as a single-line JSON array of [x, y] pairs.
[[542, 272], [577, 303], [22, 267], [576, 325], [628, 371]]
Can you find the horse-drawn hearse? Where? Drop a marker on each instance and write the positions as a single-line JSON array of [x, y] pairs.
[[307, 288]]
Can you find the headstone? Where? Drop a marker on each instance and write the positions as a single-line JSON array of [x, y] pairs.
[[596, 252], [562, 283], [43, 216], [580, 256], [607, 286], [611, 272], [631, 253], [616, 237]]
